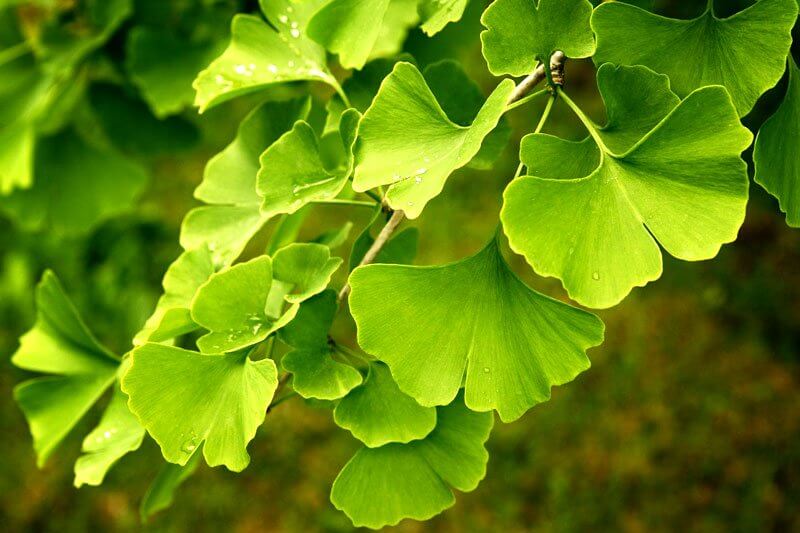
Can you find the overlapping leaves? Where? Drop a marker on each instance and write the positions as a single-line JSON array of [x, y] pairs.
[[683, 185]]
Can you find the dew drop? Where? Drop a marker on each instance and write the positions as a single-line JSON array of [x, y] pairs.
[[272, 68], [486, 370], [283, 18], [189, 445], [595, 275], [291, 64], [107, 434], [410, 204], [417, 180], [295, 33], [421, 171], [293, 25], [289, 9]]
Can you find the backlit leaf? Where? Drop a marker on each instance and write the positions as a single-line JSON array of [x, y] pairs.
[[521, 33], [776, 154], [435, 325], [381, 486], [378, 412], [187, 399], [436, 14], [745, 53], [305, 268], [348, 28], [161, 492], [408, 142]]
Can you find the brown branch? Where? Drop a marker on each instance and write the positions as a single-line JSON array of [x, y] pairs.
[[383, 237], [537, 76]]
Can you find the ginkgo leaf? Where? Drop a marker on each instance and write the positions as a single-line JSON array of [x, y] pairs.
[[407, 141], [224, 229], [703, 51], [683, 185], [262, 53], [315, 373], [171, 317], [292, 172], [521, 33], [334, 238], [118, 433], [305, 268], [436, 14], [400, 17], [775, 156], [161, 492], [229, 183], [434, 325], [163, 66], [348, 28], [461, 100], [16, 156], [380, 486], [230, 176], [76, 185], [232, 306], [185, 399], [378, 412], [79, 368]]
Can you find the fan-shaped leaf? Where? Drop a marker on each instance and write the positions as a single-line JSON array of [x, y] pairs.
[[348, 28], [305, 269], [683, 184], [381, 486], [258, 55], [185, 399], [80, 368], [406, 140], [777, 165], [436, 14], [745, 53], [378, 412], [433, 325], [520, 33]]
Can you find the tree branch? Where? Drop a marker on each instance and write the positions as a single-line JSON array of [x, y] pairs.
[[383, 237], [534, 78]]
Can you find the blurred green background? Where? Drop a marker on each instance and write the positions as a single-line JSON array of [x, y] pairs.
[[688, 420]]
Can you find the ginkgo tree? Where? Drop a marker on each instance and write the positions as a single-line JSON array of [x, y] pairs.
[[440, 347]]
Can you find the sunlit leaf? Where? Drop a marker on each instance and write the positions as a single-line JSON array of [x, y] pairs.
[[521, 33], [378, 412], [746, 53], [262, 53], [348, 28], [161, 492], [293, 174], [187, 399], [16, 157], [305, 268], [436, 14], [79, 369], [776, 153], [472, 322], [683, 185], [407, 141], [118, 433], [381, 486]]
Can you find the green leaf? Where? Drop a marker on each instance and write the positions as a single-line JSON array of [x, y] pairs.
[[777, 166], [436, 14], [745, 53], [161, 492], [232, 306], [381, 486], [682, 185], [118, 433], [348, 28], [310, 327], [77, 185], [335, 237], [163, 66], [461, 100], [258, 55], [305, 268], [230, 176], [16, 157], [407, 141], [292, 172], [80, 369], [434, 325], [185, 399], [519, 33], [400, 17], [171, 317], [378, 412], [224, 229]]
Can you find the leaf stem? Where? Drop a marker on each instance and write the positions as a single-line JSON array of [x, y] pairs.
[[524, 100], [374, 196], [338, 88], [545, 115], [14, 52], [383, 237], [342, 201], [587, 122]]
